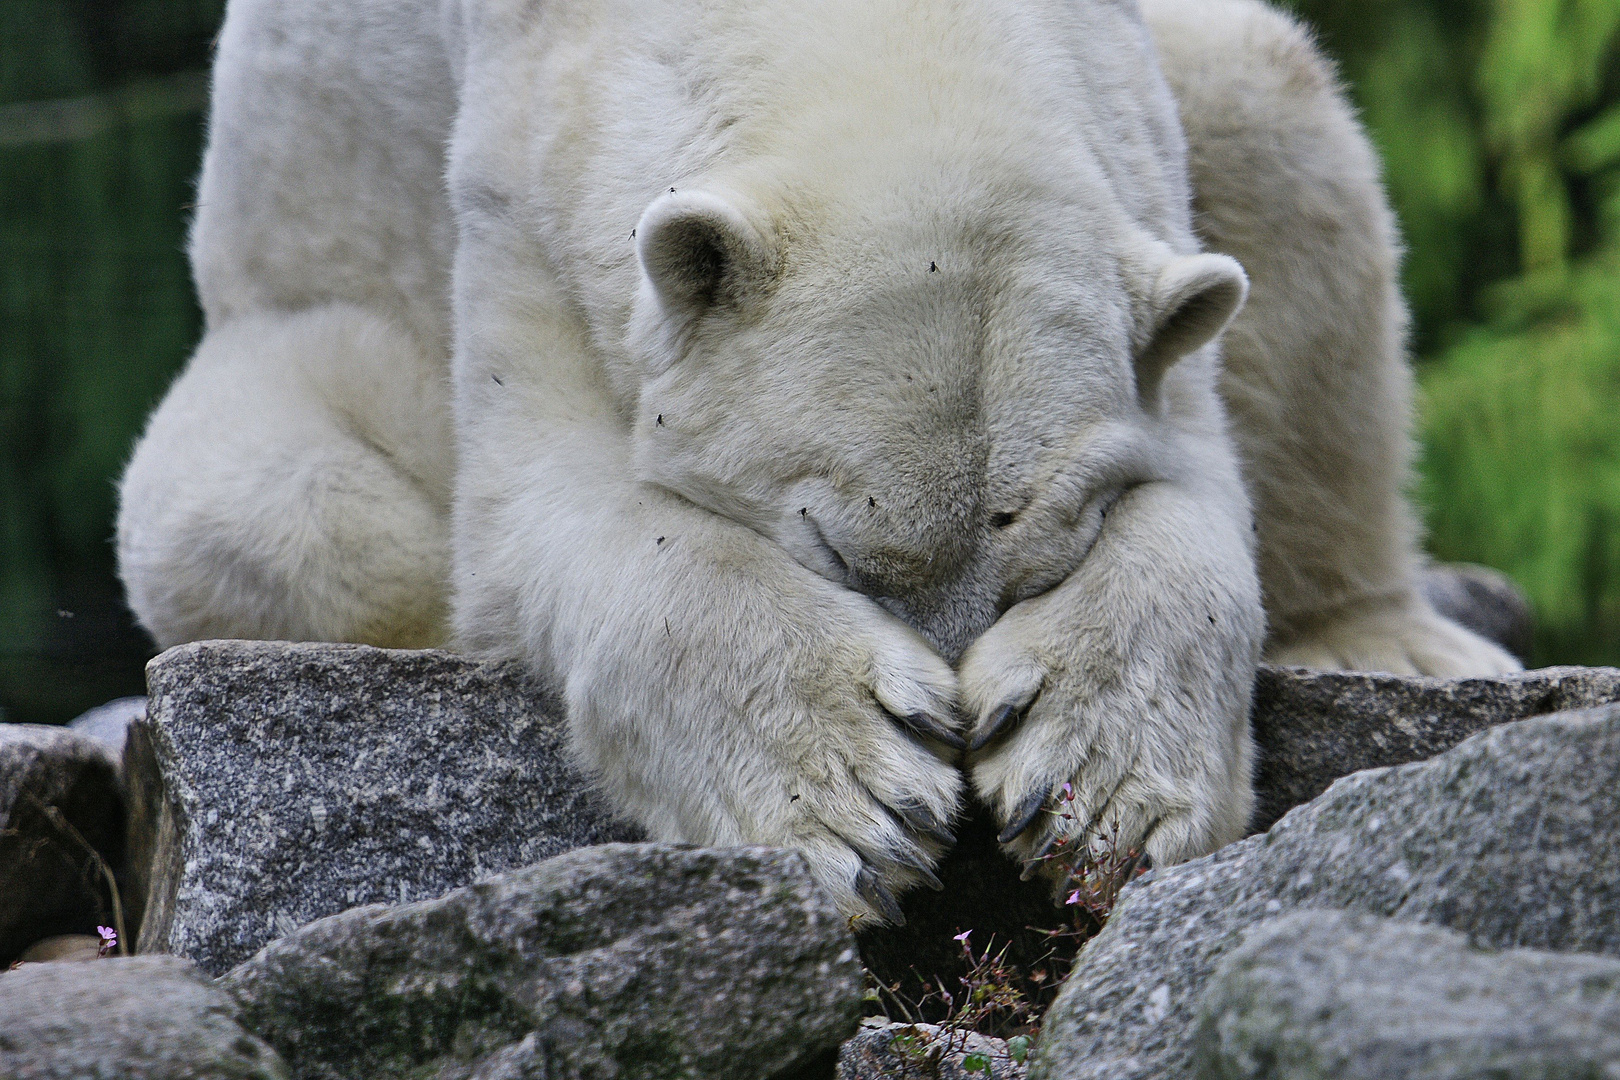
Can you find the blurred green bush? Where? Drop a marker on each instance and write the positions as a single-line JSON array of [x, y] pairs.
[[1499, 122]]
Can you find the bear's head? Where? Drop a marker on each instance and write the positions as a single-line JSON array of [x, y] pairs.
[[932, 400]]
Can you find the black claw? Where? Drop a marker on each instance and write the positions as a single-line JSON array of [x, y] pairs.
[[992, 727], [1033, 863], [1023, 817], [1141, 858], [929, 728], [868, 889], [919, 818], [906, 854], [915, 858]]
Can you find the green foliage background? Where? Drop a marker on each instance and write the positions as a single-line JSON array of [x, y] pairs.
[[1499, 121]]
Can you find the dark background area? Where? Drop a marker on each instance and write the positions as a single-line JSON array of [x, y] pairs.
[[1499, 125], [96, 315]]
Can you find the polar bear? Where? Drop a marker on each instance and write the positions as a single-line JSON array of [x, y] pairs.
[[825, 394]]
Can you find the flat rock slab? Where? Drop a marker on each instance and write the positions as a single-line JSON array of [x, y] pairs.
[[275, 783], [1330, 995], [140, 1018], [1509, 838], [59, 800], [1312, 727], [611, 963]]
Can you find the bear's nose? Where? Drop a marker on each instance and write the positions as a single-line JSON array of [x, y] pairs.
[[882, 561], [937, 580]]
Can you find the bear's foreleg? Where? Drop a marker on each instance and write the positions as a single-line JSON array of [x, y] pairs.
[[719, 691]]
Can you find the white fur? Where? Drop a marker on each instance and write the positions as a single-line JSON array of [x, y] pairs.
[[800, 352]]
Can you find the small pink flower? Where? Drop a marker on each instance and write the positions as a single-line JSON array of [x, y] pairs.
[[1074, 897], [1068, 791], [962, 937], [109, 939]]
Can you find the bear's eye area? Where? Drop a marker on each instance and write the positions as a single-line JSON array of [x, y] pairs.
[[1002, 520]]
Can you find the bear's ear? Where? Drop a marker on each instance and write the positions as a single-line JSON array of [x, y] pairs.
[[1194, 298], [698, 250]]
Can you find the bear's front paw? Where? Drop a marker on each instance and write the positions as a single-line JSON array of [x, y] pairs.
[[865, 743], [1086, 731], [816, 722]]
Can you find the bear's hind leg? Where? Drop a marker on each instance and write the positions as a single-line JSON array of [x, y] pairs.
[[293, 485], [1315, 381]]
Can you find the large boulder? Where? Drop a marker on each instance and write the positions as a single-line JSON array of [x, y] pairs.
[[274, 783], [140, 1018], [61, 823], [1509, 838], [1330, 995], [623, 961]]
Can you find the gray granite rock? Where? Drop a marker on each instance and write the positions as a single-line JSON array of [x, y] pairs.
[[902, 1051], [1509, 838], [140, 1018], [274, 783], [1484, 600], [1330, 995], [622, 961], [1312, 727], [58, 793]]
